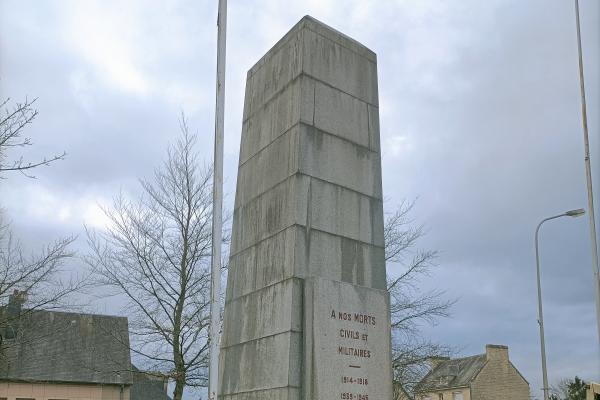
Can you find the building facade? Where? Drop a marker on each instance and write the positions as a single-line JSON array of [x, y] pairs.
[[593, 391], [489, 376], [49, 355], [62, 391]]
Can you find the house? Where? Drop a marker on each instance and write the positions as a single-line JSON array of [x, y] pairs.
[[593, 391], [48, 355], [148, 386], [400, 393], [489, 376]]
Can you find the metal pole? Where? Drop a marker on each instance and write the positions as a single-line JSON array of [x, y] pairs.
[[588, 174], [545, 387], [571, 213], [217, 216]]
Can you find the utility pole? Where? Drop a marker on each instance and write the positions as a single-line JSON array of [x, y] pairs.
[[217, 216], [588, 174]]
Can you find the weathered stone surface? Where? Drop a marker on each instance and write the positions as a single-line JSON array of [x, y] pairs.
[[338, 161], [374, 144], [329, 61], [268, 213], [306, 201], [267, 262], [267, 168], [343, 259], [310, 151], [338, 37], [286, 393], [354, 215], [347, 342], [272, 304], [277, 116], [265, 363], [308, 205], [274, 73], [340, 114], [299, 252]]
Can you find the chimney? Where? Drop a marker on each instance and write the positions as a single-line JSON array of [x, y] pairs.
[[435, 361], [12, 314], [15, 303], [496, 352]]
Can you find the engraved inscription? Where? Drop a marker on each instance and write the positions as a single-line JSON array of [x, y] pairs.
[[351, 341]]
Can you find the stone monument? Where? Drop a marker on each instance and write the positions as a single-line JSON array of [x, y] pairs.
[[306, 310]]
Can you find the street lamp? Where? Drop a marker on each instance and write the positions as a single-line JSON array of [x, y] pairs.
[[571, 213]]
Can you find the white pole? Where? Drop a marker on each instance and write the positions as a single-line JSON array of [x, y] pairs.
[[588, 174], [571, 213], [217, 217], [541, 313]]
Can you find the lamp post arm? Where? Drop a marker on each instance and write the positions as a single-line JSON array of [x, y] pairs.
[[544, 220], [537, 231], [540, 310]]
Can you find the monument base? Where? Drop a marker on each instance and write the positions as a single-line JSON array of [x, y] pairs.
[[346, 342]]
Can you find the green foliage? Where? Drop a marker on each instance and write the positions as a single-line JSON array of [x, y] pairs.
[[570, 389], [576, 389]]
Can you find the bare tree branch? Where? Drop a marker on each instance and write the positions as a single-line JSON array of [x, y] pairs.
[[37, 276], [156, 251], [12, 123], [410, 307]]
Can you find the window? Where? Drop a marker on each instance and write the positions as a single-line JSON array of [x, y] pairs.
[[457, 396]]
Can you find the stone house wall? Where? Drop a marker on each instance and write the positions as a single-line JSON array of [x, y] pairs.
[[51, 391], [449, 394], [499, 379]]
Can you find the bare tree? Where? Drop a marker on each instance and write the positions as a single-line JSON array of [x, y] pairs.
[[35, 281], [560, 390], [36, 275], [12, 122], [156, 252], [410, 306]]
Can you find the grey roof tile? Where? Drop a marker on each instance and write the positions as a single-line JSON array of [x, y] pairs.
[[454, 373], [147, 386], [55, 346]]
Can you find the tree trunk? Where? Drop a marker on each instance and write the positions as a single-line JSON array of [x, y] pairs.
[[178, 392]]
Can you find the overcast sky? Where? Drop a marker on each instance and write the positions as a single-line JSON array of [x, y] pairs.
[[480, 121]]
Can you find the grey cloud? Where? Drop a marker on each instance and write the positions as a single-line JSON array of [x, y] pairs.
[[479, 98]]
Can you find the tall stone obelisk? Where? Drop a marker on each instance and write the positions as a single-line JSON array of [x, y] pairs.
[[306, 311]]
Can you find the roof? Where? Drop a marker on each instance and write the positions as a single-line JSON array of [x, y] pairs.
[[53, 346], [400, 393], [458, 372], [148, 386]]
